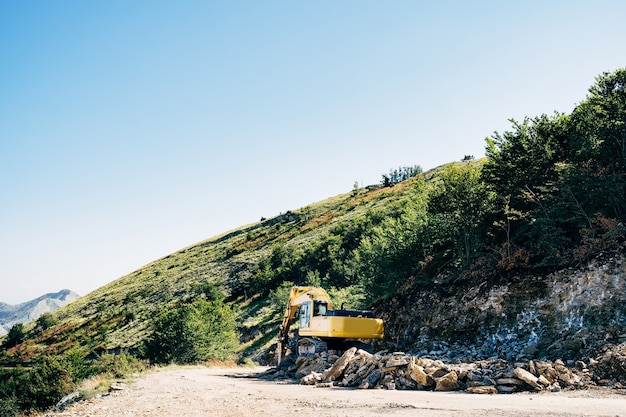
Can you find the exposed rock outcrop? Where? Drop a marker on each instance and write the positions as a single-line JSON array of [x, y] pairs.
[[570, 314], [564, 330]]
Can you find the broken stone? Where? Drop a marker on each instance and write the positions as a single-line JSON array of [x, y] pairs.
[[311, 379], [547, 370], [448, 382], [397, 361], [543, 381], [357, 368], [528, 378], [506, 389], [388, 382], [436, 373], [417, 374], [482, 389], [509, 381], [67, 400], [337, 369], [373, 378]]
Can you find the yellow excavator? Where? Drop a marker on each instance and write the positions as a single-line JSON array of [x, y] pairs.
[[322, 327]]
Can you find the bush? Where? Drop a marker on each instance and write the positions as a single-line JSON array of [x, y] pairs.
[[350, 297], [119, 365], [47, 383], [76, 366], [168, 341], [193, 333], [213, 328], [278, 297], [9, 407], [45, 321]]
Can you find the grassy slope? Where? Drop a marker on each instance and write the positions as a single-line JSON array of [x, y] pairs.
[[117, 315]]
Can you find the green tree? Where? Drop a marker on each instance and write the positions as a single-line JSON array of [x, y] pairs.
[[596, 175], [169, 340], [457, 211], [9, 407], [279, 296], [524, 168], [393, 252], [524, 159], [398, 175], [16, 335]]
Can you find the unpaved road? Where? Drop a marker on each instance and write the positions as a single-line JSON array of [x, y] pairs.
[[235, 392]]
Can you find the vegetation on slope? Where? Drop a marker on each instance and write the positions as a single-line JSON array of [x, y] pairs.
[[550, 193]]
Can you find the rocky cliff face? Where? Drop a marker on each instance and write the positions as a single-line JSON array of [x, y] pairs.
[[570, 314], [563, 330], [31, 310]]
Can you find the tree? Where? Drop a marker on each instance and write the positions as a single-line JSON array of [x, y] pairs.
[[598, 165], [9, 406], [457, 211], [524, 168], [398, 175], [560, 174], [394, 250], [169, 340], [525, 158], [16, 335], [213, 328]]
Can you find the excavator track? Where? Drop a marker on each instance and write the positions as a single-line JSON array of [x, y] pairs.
[[311, 346]]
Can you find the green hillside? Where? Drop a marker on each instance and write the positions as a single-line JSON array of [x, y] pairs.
[[118, 315], [550, 194]]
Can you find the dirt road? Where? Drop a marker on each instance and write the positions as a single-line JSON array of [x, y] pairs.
[[233, 392]]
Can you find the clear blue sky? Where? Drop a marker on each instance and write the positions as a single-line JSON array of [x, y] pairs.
[[132, 129]]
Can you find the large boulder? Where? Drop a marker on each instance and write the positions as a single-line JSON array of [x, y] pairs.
[[338, 367], [448, 382], [528, 378]]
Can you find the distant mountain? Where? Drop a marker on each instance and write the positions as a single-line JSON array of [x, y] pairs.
[[31, 310]]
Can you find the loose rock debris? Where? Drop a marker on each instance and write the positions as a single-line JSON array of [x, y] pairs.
[[400, 371]]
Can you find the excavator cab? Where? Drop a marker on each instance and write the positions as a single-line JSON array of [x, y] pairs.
[[311, 309]]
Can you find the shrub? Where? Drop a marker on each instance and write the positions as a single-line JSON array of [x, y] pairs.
[[193, 333], [119, 365], [9, 407], [77, 367], [45, 321], [278, 297], [47, 383]]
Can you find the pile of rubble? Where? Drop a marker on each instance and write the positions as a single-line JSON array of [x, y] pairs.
[[358, 368], [610, 367]]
